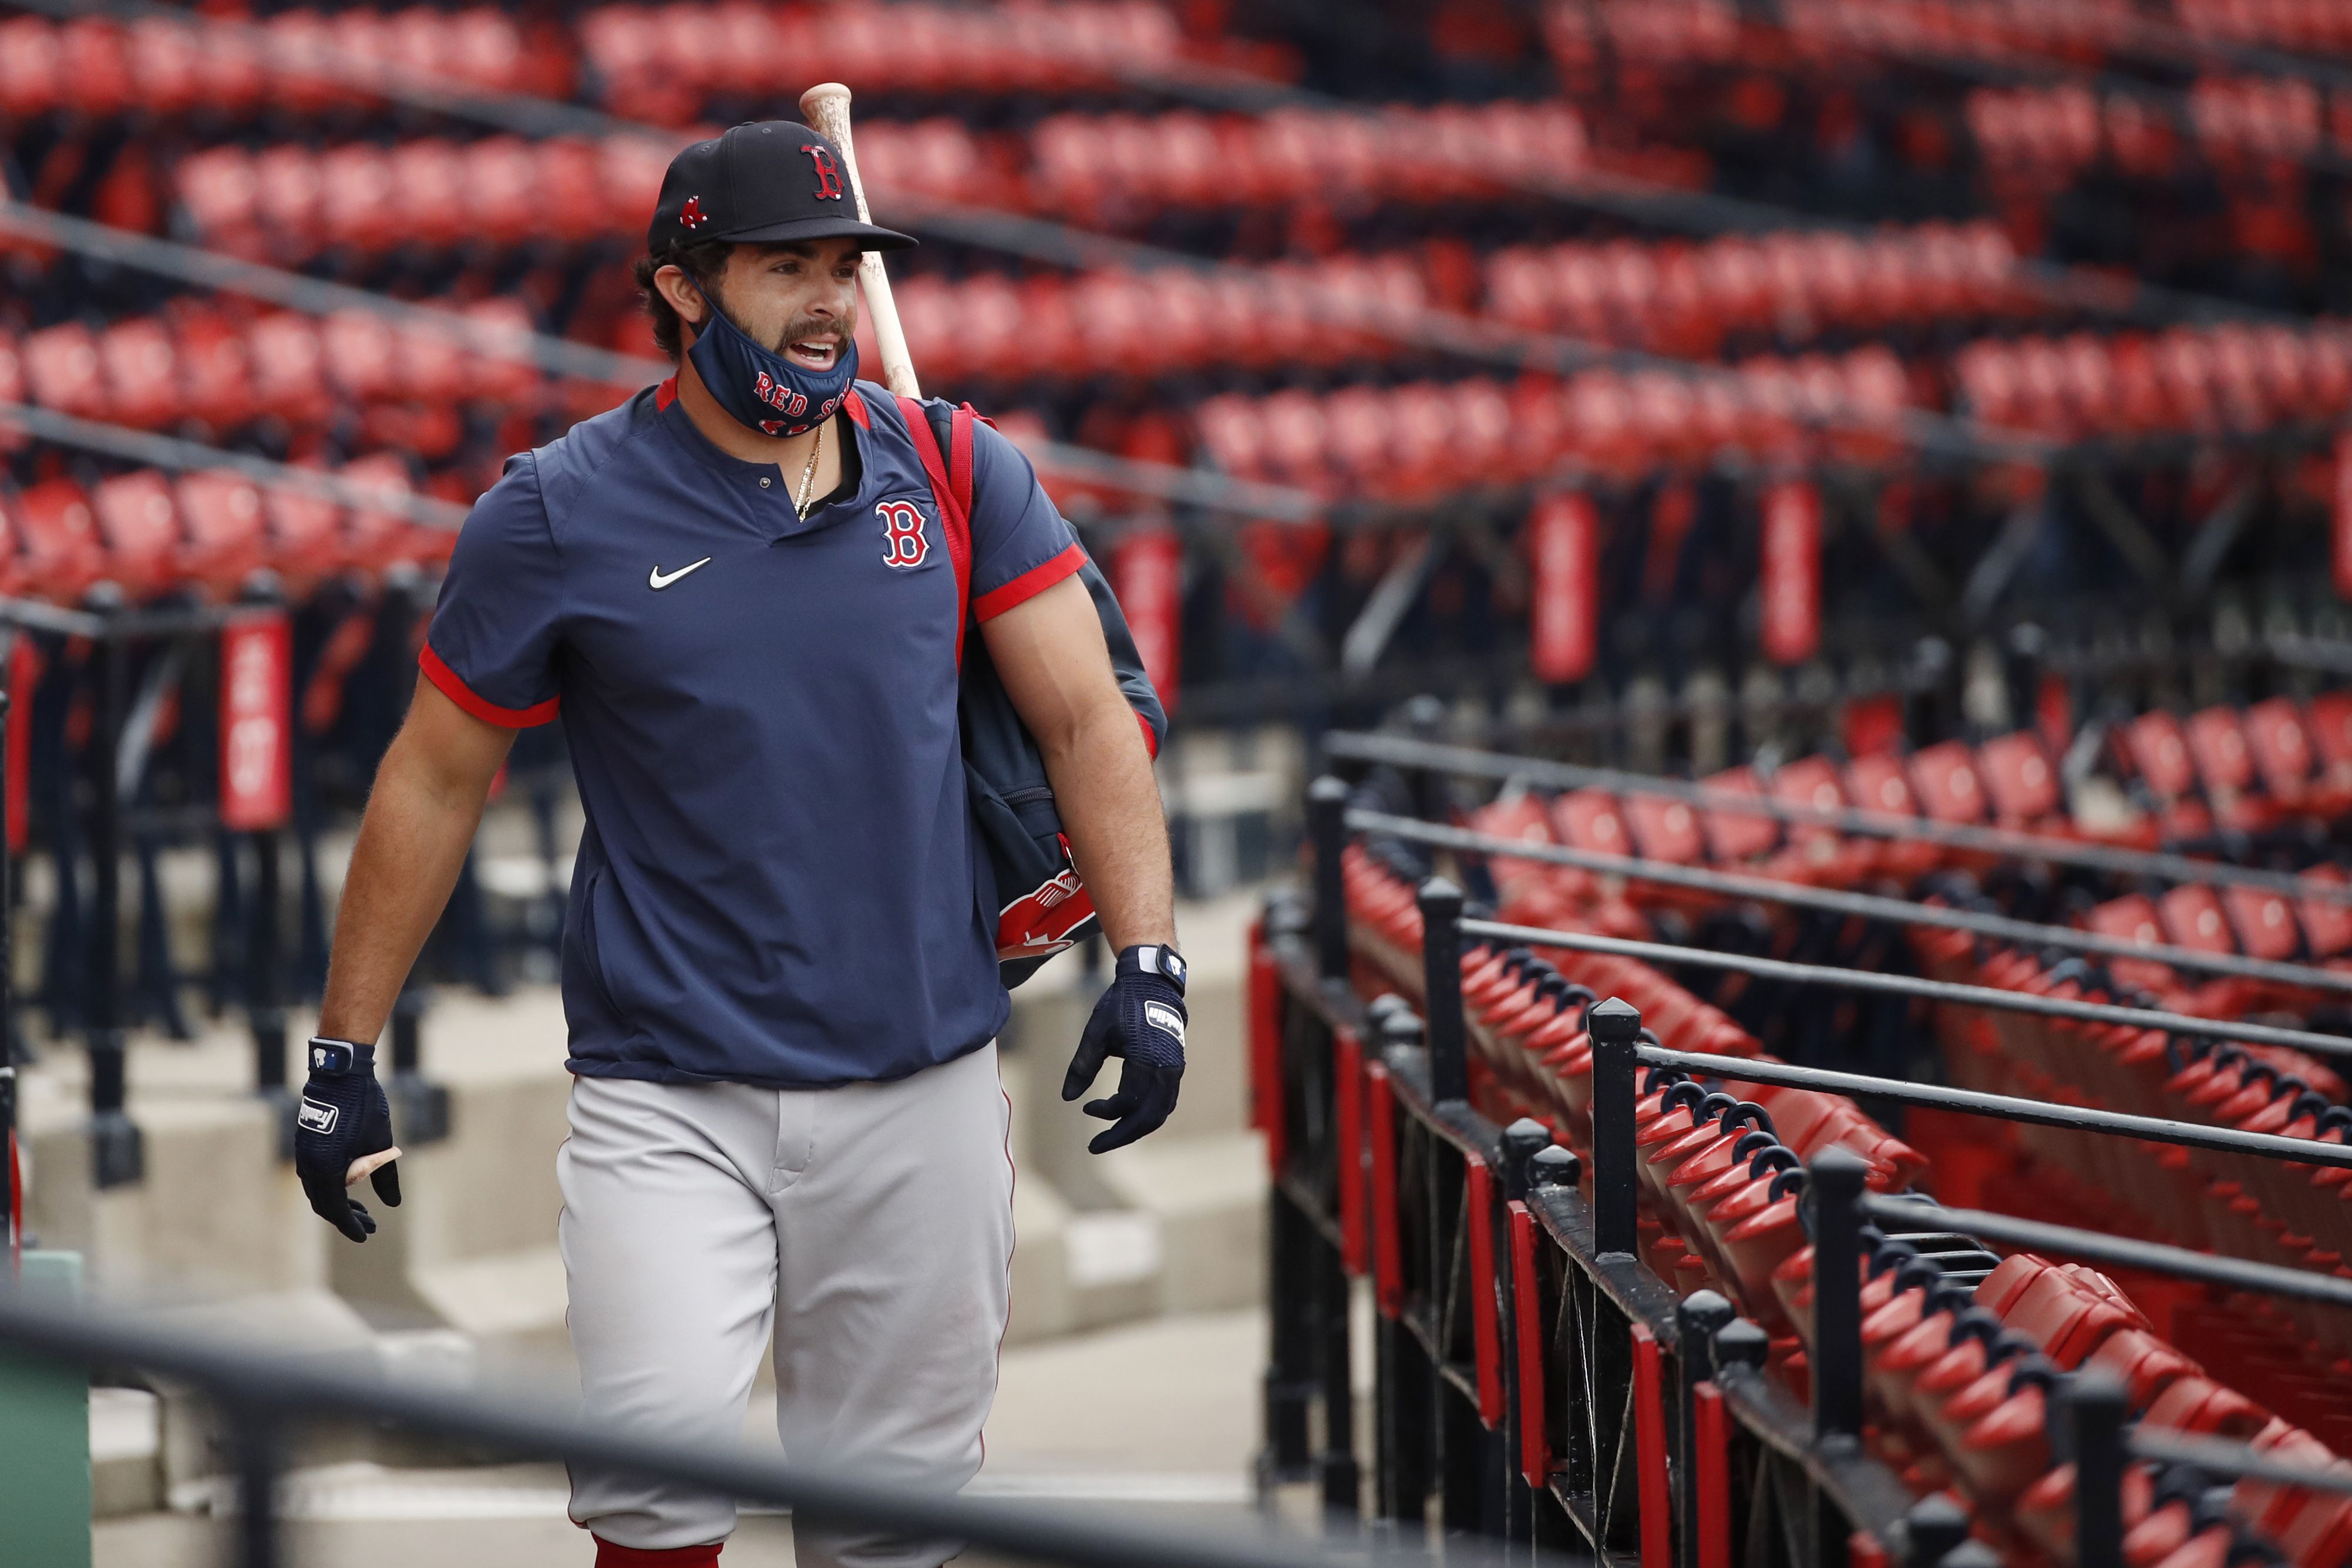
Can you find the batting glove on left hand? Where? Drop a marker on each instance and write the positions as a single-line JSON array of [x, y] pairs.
[[345, 1119], [1140, 1020]]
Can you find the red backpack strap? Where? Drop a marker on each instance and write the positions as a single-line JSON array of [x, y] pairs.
[[954, 494]]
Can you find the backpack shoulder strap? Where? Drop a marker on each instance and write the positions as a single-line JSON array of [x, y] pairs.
[[951, 489]]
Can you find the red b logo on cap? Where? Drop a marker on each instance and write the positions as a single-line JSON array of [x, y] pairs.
[[691, 215], [828, 173]]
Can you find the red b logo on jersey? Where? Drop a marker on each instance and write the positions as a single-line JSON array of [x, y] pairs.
[[828, 173], [902, 534]]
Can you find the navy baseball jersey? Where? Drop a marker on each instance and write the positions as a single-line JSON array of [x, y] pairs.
[[778, 884]]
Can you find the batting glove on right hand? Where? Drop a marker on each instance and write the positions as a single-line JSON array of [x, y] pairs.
[[1140, 1019], [342, 1122]]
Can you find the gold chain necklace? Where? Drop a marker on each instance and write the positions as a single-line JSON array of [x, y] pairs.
[[808, 473]]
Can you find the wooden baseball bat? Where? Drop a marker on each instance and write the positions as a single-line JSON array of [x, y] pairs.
[[826, 107]]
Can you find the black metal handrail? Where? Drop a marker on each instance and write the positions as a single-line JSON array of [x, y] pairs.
[[260, 1392], [2003, 1107], [2122, 1251], [1859, 906], [1991, 997], [1398, 750]]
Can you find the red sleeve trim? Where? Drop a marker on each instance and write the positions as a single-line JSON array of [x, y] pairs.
[[1150, 740], [855, 406], [1028, 585], [665, 394], [458, 692]]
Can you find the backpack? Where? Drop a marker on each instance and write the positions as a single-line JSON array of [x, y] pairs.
[[1042, 906]]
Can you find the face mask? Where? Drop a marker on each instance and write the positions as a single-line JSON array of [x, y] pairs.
[[760, 387]]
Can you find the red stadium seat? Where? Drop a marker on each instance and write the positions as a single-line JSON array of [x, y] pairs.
[[228, 534], [138, 526], [57, 534]]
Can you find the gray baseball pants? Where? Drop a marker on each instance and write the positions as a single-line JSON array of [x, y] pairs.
[[869, 1228]]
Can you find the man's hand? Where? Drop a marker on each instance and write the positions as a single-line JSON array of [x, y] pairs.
[[1140, 1019], [342, 1132]]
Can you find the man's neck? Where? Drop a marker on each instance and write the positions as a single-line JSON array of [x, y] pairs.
[[790, 453]]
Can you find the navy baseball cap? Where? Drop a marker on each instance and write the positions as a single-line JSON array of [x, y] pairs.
[[770, 181]]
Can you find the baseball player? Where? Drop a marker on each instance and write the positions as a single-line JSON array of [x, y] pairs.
[[779, 967]]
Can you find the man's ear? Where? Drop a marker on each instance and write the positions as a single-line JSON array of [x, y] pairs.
[[684, 297]]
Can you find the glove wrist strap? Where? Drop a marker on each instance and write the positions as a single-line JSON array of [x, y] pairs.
[[1154, 958], [340, 1058]]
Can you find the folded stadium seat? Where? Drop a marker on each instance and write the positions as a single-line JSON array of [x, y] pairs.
[[2135, 918], [1598, 422], [2025, 788], [381, 539], [501, 189], [2069, 1311], [139, 529], [501, 320], [2216, 743], [2184, 363], [228, 534], [219, 193], [2197, 1404], [296, 48], [1479, 420], [1230, 431], [286, 200], [2314, 1528], [357, 347], [288, 370], [2086, 371], [630, 170], [57, 534], [1947, 784], [2283, 754], [428, 366], [428, 192], [165, 59], [1296, 443], [1815, 853], [62, 372], [1990, 385], [215, 376], [2144, 1364], [1875, 784], [32, 72], [2330, 727], [1735, 837], [13, 581], [94, 71]]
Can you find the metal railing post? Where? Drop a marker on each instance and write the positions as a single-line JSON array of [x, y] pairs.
[[118, 1154], [1327, 834], [264, 966], [1616, 1029], [1698, 1317], [1834, 1185], [1441, 969], [253, 1441], [2095, 1409], [1932, 1531], [420, 1107]]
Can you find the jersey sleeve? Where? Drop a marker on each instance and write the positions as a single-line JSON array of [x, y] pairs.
[[1020, 545], [491, 647]]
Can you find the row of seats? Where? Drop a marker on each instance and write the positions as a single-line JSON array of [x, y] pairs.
[[1685, 299], [296, 62], [293, 200], [303, 62], [2055, 130], [1425, 436], [1961, 1348], [210, 531], [991, 327], [1714, 33], [2201, 380], [643, 54], [223, 365]]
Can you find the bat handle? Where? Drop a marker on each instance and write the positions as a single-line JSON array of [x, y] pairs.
[[826, 107]]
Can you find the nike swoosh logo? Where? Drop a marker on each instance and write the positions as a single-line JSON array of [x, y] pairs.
[[655, 579]]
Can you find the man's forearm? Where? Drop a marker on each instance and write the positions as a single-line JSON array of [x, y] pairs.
[[412, 843], [1110, 805]]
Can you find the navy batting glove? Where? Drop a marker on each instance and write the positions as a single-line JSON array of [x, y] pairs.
[[343, 1116], [1140, 1020]]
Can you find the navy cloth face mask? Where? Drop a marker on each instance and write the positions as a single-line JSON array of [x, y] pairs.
[[760, 387]]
